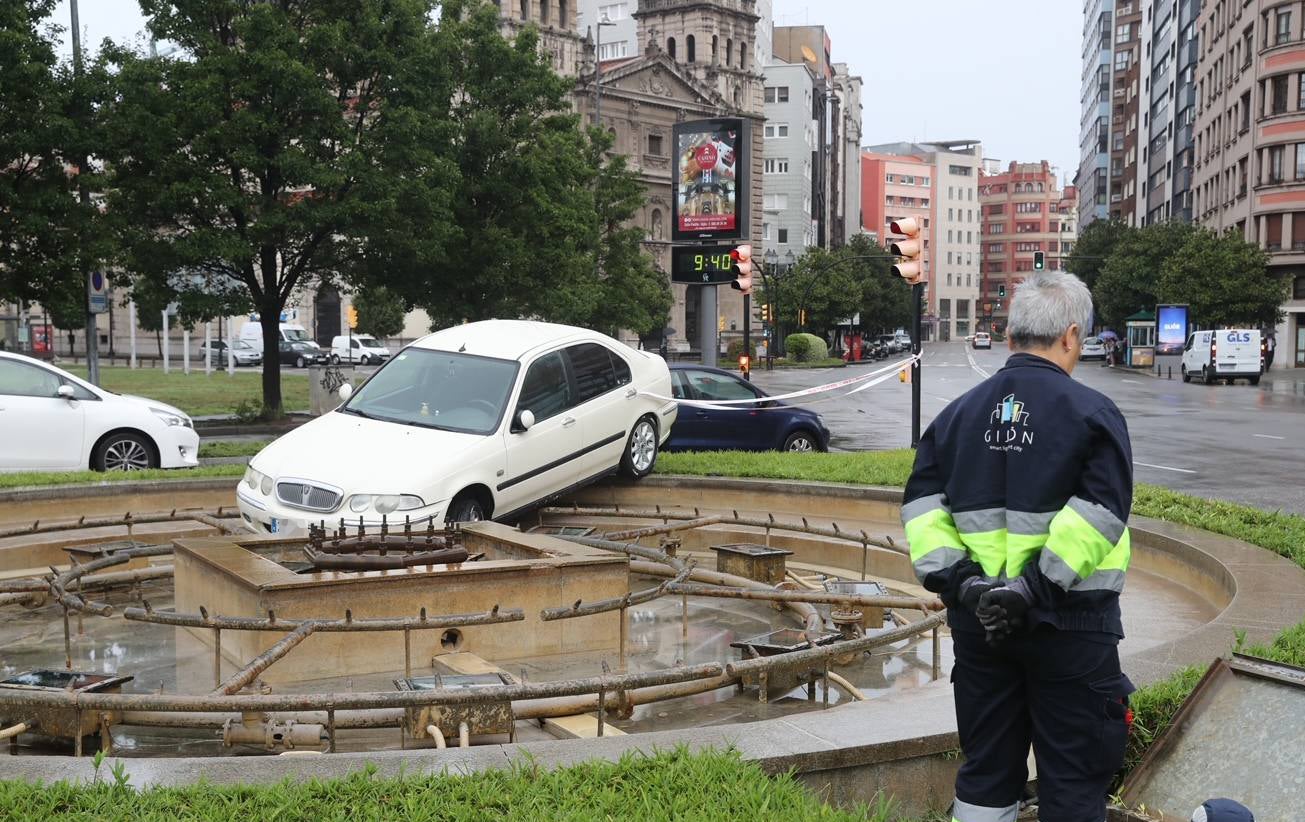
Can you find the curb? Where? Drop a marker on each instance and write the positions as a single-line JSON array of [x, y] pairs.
[[109, 489]]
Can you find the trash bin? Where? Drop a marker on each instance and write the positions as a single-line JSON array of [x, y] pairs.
[[324, 383]]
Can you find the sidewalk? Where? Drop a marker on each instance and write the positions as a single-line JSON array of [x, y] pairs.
[[1284, 381]]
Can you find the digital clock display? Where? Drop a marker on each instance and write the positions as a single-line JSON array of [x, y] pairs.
[[702, 265]]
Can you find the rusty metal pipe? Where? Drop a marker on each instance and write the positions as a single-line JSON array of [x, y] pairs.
[[614, 603], [654, 530], [394, 562], [811, 656], [107, 522], [464, 735], [348, 720], [234, 683], [434, 732], [15, 730], [632, 549], [23, 598], [492, 617], [94, 701], [804, 596], [805, 612], [392, 542]]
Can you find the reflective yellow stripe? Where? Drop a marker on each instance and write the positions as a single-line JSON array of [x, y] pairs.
[[1020, 548], [1081, 546], [988, 549], [931, 530]]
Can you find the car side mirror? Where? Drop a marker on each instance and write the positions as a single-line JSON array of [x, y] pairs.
[[66, 392], [345, 392], [524, 422]]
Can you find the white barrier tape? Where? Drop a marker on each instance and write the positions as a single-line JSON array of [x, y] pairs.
[[869, 380]]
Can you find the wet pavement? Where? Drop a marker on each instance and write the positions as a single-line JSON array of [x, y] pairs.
[[1240, 442]]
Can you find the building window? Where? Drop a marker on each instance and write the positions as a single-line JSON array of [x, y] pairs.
[[776, 202], [949, 262], [961, 171], [1300, 161], [776, 165], [765, 231], [950, 215], [1273, 232], [776, 94], [1278, 91], [783, 236], [613, 51], [715, 47], [655, 145], [729, 51], [777, 130], [1298, 289], [690, 48], [655, 226], [949, 280], [525, 9], [613, 12], [670, 47], [743, 54], [1275, 164], [1283, 25]]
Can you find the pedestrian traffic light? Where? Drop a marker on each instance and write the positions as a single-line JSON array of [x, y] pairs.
[[745, 364], [765, 312], [910, 248], [742, 257], [1039, 260], [1001, 290], [352, 317]]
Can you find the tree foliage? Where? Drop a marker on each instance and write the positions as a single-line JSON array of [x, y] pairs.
[[380, 312], [834, 285], [1130, 278], [1094, 245], [1224, 280]]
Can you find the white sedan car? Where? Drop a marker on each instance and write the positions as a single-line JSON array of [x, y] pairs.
[[53, 421], [474, 422]]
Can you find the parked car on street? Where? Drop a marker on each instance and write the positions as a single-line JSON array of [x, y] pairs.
[[363, 349], [302, 354], [768, 425], [478, 421], [982, 340], [1094, 348], [241, 351], [53, 421], [1227, 354]]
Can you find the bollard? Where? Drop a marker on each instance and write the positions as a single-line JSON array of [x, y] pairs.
[[1171, 372]]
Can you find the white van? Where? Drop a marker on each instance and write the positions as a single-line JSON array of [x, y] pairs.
[[363, 349], [1226, 354], [252, 333]]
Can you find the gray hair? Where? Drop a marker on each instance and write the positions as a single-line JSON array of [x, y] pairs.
[[1045, 306]]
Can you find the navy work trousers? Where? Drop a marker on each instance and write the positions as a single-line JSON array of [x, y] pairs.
[[1062, 691]]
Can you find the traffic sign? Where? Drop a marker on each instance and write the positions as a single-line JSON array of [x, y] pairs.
[[98, 292]]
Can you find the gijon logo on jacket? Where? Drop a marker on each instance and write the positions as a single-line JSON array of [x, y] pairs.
[[1008, 426]]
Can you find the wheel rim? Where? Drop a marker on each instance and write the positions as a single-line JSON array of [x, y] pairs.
[[643, 446], [800, 444], [126, 455]]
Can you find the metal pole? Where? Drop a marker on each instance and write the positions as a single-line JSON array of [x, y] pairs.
[[131, 320], [917, 307], [185, 350], [84, 194], [747, 334], [231, 353], [208, 348], [707, 321], [167, 343]]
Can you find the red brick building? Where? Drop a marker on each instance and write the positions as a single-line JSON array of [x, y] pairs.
[[1024, 212]]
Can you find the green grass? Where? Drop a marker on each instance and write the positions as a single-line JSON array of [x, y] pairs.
[[197, 394], [669, 785], [232, 448], [27, 479], [858, 468]]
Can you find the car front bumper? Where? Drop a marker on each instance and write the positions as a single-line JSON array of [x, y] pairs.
[[178, 447], [268, 515]]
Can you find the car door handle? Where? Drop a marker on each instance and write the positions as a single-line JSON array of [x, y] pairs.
[[568, 422], [631, 393], [702, 413]]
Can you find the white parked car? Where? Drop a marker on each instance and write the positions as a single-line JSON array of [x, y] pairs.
[[478, 421], [363, 349], [982, 340], [53, 421], [241, 351], [1094, 348]]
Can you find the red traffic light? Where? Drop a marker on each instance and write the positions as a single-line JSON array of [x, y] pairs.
[[742, 257], [745, 363], [910, 249]]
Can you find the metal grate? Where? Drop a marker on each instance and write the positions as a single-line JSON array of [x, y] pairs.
[[308, 497]]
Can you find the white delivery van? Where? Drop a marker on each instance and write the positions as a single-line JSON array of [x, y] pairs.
[[1226, 354], [363, 349], [252, 333]]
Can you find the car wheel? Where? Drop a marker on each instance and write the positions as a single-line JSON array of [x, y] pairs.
[[299, 362], [365, 360], [1182, 369], [1207, 375], [640, 450], [801, 441], [1253, 380], [124, 451], [335, 359], [466, 507]]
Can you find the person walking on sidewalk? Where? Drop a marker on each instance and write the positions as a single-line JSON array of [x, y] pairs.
[[1015, 514]]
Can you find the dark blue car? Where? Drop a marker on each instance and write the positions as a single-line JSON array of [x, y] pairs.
[[764, 426]]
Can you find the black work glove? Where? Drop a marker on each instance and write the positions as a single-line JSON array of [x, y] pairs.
[[971, 590], [1001, 610]]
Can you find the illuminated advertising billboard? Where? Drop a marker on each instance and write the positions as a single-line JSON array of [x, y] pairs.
[[1170, 329], [710, 184]]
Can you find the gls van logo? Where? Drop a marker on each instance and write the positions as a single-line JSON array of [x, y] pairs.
[[1238, 336], [1008, 426]]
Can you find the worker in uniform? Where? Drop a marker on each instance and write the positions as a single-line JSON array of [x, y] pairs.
[[1015, 513]]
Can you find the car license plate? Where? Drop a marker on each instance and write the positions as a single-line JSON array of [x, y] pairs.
[[273, 526]]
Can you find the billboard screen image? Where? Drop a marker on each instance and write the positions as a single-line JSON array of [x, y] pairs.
[[707, 165], [1171, 329]]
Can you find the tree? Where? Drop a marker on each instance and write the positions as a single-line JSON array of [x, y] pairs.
[[834, 285], [47, 237], [1224, 280], [1130, 279], [885, 299], [294, 140], [1095, 243], [380, 313]]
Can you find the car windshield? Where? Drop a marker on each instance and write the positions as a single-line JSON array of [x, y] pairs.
[[237, 344], [1092, 341], [295, 334], [370, 343], [438, 389]]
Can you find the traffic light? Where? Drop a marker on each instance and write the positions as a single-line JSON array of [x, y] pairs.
[[745, 364], [910, 248], [1039, 261], [1001, 290], [765, 312], [742, 257], [352, 316]]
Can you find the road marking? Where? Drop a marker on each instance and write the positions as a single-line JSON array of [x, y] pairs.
[[1268, 437], [975, 365], [1163, 467], [1131, 382]]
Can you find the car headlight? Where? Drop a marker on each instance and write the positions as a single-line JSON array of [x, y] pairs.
[[265, 485], [170, 419], [253, 478], [385, 503]]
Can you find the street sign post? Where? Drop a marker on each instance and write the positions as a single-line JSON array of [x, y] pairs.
[[98, 293]]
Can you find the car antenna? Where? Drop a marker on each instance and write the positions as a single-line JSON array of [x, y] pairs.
[[463, 348]]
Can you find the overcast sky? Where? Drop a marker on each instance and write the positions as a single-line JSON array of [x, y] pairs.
[[1006, 73]]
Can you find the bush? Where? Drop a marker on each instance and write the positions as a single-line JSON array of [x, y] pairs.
[[805, 347], [736, 348]]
